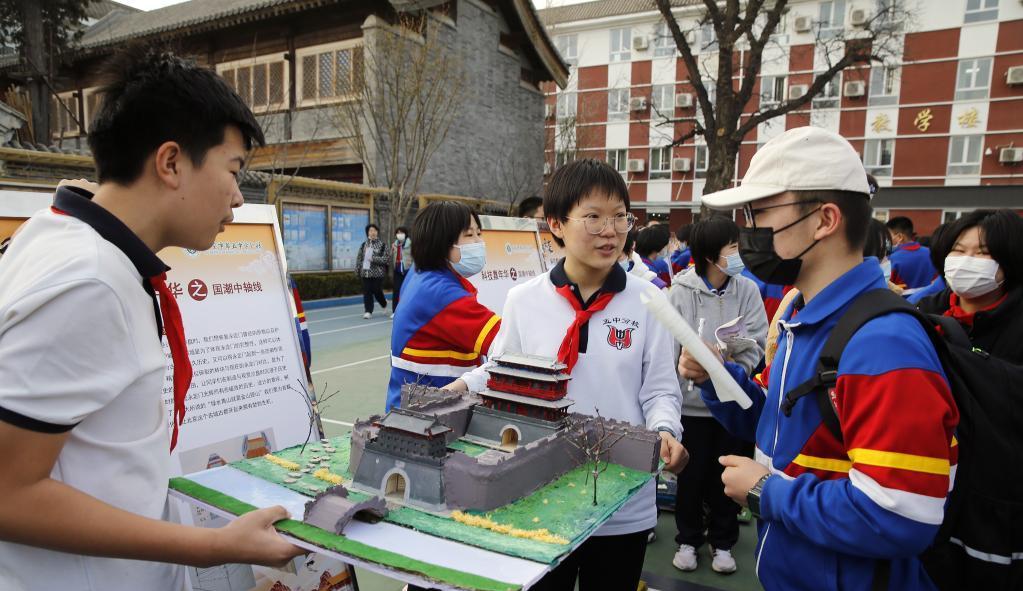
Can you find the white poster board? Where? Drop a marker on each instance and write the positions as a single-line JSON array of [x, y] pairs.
[[513, 257]]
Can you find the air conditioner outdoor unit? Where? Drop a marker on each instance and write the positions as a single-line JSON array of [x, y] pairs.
[[640, 43], [1010, 155], [548, 111], [797, 90], [854, 88], [683, 100], [636, 165], [681, 164], [858, 17], [802, 24], [1014, 75], [691, 36], [637, 103]]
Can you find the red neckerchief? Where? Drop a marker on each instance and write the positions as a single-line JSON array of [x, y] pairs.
[[568, 352], [962, 316], [175, 331]]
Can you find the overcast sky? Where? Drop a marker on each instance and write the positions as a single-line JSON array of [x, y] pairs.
[[151, 4]]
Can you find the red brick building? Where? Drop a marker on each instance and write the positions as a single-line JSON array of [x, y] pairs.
[[940, 126]]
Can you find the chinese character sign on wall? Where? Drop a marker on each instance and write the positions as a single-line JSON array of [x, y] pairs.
[[304, 230]]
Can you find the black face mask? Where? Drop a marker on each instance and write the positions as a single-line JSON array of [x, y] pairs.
[[756, 248]]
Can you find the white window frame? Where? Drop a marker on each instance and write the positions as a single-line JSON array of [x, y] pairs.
[[73, 129], [951, 215], [708, 38], [980, 11], [88, 93], [701, 160], [884, 88], [889, 14], [660, 162], [662, 98], [769, 89], [873, 156], [834, 22], [619, 160], [568, 47], [664, 43], [621, 97], [567, 106], [959, 161], [978, 88], [831, 96], [882, 215], [620, 43], [563, 157], [271, 58], [303, 52]]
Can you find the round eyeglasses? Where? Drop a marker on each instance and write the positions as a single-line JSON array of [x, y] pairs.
[[595, 224]]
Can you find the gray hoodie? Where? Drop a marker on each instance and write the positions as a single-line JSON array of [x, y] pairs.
[[692, 299]]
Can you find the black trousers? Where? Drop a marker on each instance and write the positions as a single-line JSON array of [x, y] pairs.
[[700, 483], [601, 563], [399, 278], [373, 287]]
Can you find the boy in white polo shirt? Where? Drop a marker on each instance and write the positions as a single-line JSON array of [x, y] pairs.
[[586, 312], [82, 423]]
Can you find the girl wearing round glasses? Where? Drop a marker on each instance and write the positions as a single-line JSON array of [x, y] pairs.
[[441, 330]]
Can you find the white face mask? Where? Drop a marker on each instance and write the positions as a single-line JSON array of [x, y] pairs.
[[971, 277], [400, 237]]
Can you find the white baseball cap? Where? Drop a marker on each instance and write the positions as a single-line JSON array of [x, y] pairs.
[[801, 159]]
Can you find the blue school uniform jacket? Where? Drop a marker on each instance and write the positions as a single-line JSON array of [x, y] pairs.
[[831, 509], [911, 266], [440, 331]]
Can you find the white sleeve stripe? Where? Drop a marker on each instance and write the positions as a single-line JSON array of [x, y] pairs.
[[921, 508]]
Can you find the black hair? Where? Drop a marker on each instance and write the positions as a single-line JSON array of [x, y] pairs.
[[150, 97], [902, 225], [401, 229], [630, 241], [855, 208], [652, 239], [938, 261], [873, 186], [707, 238], [1001, 233], [529, 206], [436, 229], [879, 240], [571, 183], [372, 225], [683, 233]]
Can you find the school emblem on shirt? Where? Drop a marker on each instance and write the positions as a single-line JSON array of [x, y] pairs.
[[619, 338]]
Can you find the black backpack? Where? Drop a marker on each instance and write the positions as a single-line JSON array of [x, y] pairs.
[[980, 542]]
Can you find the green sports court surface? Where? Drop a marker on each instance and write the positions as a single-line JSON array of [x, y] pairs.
[[351, 356]]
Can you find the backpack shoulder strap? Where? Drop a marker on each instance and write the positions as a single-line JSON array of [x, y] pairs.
[[864, 308]]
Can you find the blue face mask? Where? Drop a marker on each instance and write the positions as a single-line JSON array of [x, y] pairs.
[[886, 268], [734, 265], [474, 258]]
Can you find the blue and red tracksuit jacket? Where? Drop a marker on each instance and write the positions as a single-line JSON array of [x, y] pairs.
[[770, 293], [440, 331], [659, 266], [831, 510], [681, 259], [936, 286], [911, 266]]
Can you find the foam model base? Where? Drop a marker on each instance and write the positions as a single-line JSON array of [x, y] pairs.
[[543, 526]]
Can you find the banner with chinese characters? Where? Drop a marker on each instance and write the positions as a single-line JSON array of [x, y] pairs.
[[513, 257], [249, 394]]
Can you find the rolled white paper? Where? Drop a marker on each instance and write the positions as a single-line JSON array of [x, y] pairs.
[[727, 388]]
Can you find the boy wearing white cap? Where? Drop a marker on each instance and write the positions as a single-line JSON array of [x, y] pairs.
[[849, 512]]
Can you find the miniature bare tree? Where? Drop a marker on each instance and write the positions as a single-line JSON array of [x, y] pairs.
[[312, 408], [405, 96], [741, 32], [594, 444]]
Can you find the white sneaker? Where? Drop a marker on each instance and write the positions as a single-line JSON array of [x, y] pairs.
[[723, 562], [685, 558], [367, 315], [651, 537]]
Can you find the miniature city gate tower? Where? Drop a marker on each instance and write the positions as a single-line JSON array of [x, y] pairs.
[[409, 433], [527, 385]]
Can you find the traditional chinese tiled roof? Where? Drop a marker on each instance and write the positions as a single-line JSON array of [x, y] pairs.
[[413, 422]]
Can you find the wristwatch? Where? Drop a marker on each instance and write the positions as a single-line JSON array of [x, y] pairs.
[[753, 496]]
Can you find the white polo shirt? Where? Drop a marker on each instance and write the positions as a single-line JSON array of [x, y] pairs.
[[625, 367], [80, 351]]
